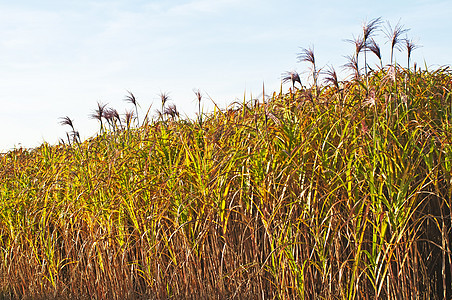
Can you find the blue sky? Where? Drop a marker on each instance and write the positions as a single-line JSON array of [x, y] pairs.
[[58, 58]]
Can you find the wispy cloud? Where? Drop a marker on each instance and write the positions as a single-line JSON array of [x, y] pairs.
[[205, 6]]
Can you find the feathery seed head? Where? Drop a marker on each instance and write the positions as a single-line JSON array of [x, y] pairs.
[[131, 98], [393, 34], [198, 94], [111, 113], [99, 112], [291, 76], [164, 97], [373, 46], [410, 46], [128, 116], [369, 28], [352, 65], [67, 121], [359, 44], [331, 77], [171, 111], [306, 55]]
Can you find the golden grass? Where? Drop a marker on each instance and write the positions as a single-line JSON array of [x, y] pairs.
[[347, 196]]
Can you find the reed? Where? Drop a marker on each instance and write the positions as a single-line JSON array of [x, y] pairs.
[[292, 77], [307, 55], [394, 37], [131, 99], [291, 199]]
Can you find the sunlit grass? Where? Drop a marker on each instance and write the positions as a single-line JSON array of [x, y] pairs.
[[335, 191]]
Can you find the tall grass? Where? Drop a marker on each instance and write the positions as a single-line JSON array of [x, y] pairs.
[[343, 196]]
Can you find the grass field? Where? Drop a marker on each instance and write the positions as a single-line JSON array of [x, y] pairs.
[[339, 190]]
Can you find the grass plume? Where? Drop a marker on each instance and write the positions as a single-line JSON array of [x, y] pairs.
[[98, 114], [131, 99], [410, 47], [292, 77], [394, 37], [199, 99], [307, 55]]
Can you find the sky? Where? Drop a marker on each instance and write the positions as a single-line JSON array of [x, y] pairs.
[[60, 58]]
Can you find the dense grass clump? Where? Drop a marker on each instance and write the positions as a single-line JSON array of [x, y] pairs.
[[338, 191]]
